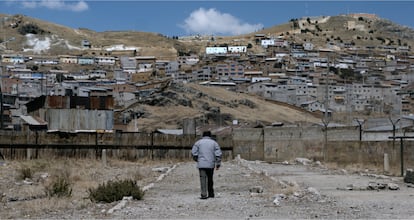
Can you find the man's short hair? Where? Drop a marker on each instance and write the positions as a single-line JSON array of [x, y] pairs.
[[207, 134]]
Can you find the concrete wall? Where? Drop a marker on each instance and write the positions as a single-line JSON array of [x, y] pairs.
[[343, 147], [21, 145], [248, 143], [284, 144], [277, 144]]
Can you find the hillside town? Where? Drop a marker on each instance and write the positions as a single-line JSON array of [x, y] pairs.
[[40, 91]]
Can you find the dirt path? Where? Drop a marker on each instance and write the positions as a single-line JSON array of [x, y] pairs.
[[244, 190], [303, 192]]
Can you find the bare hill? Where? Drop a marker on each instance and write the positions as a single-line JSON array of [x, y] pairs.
[[211, 105], [57, 39], [359, 30]]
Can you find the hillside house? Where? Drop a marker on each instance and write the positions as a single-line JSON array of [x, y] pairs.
[[20, 73], [73, 114], [97, 74], [30, 88], [308, 46], [267, 42], [228, 85], [45, 61], [188, 60], [312, 106], [94, 91], [84, 88], [120, 76], [160, 66], [202, 74], [13, 58], [124, 94], [145, 63], [229, 70], [68, 59], [272, 65], [86, 60], [182, 77], [52, 75], [216, 50], [251, 74], [10, 85], [85, 44], [128, 64], [172, 68], [237, 49], [105, 61]]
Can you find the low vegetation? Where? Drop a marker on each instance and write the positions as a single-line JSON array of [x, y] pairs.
[[38, 187], [30, 29], [59, 187], [115, 190], [25, 173]]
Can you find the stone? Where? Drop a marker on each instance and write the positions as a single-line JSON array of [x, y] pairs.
[[160, 169], [303, 161], [350, 187], [278, 198], [256, 189], [120, 205], [313, 191], [393, 186], [409, 176]]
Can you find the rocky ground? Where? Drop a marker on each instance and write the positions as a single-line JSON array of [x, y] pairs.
[[244, 190]]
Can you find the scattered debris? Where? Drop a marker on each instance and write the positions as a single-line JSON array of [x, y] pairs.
[[303, 161], [278, 198], [256, 189], [120, 205]]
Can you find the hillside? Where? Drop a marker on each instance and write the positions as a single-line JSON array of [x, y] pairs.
[[52, 39], [211, 105], [356, 29], [168, 108]]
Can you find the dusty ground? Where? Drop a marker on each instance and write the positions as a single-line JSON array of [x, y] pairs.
[[290, 190]]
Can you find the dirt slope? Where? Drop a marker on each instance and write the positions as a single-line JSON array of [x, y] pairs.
[[183, 101]]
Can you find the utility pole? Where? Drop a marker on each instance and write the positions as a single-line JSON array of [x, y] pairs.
[[4, 19], [394, 123], [1, 96], [325, 119]]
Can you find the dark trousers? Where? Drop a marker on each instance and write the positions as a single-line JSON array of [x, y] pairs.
[[206, 182]]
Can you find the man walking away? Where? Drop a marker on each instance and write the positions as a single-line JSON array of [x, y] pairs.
[[207, 153]]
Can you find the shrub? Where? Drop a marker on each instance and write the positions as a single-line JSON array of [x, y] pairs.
[[25, 172], [30, 29], [115, 191], [59, 187]]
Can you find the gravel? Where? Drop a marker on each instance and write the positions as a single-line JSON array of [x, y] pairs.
[[285, 191], [259, 190]]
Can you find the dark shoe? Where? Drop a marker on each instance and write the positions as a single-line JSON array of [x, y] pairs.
[[211, 196], [203, 197]]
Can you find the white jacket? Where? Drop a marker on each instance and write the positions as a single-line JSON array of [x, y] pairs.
[[207, 153]]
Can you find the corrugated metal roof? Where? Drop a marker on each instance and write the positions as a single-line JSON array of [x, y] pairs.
[[32, 121], [171, 131]]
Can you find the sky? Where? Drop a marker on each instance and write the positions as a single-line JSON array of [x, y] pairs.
[[180, 18]]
